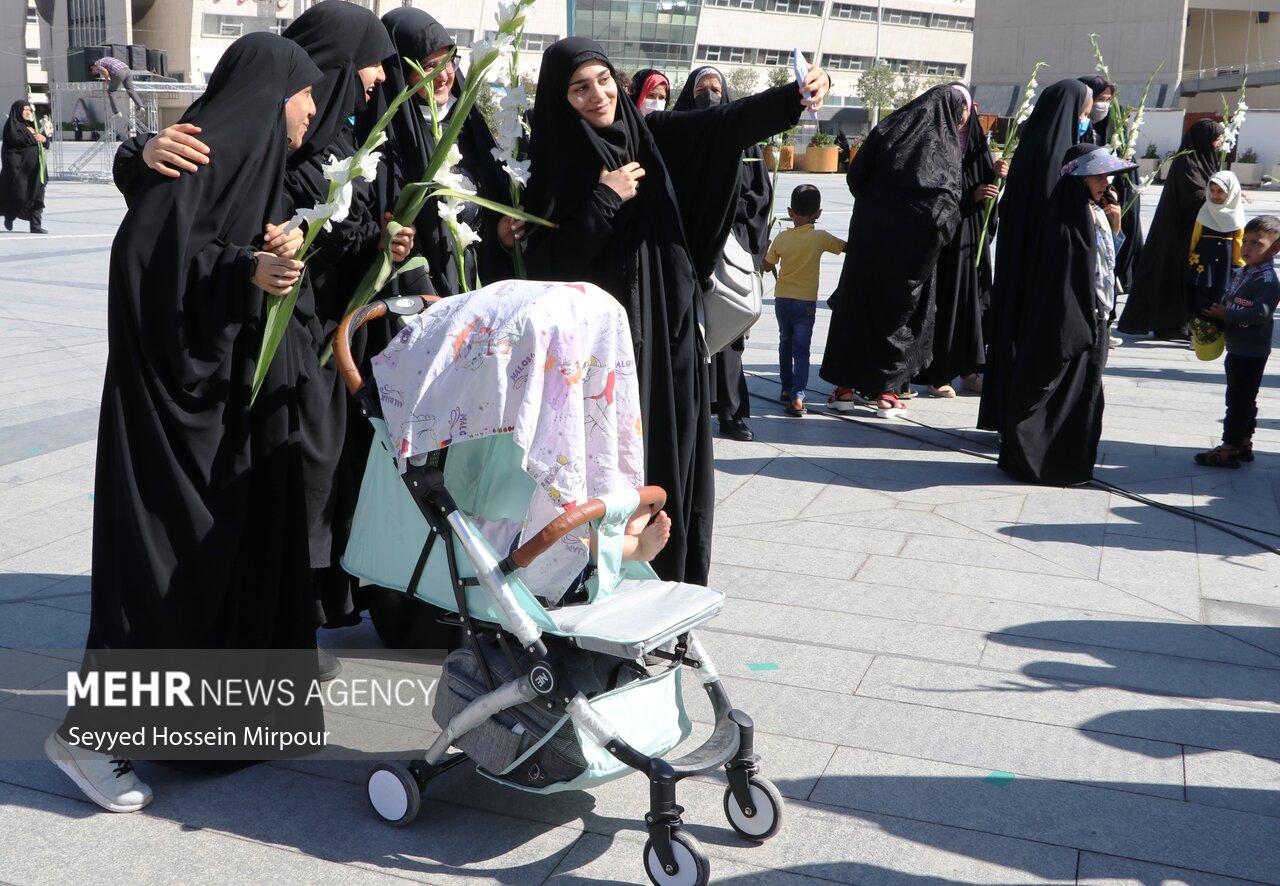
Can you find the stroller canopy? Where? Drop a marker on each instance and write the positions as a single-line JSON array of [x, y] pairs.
[[550, 365]]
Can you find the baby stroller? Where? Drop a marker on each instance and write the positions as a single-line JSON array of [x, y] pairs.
[[504, 421]]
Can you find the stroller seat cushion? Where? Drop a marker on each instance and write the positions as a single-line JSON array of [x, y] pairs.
[[639, 617]]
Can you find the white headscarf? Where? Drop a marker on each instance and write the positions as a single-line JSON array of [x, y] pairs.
[[1227, 216]]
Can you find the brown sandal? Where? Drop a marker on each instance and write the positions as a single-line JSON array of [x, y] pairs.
[[1218, 457]]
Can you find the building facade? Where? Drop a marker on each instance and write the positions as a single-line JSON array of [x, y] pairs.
[[1204, 49], [932, 39]]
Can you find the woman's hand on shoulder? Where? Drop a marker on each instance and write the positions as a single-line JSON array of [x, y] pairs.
[[275, 274], [623, 181], [175, 150], [814, 89]]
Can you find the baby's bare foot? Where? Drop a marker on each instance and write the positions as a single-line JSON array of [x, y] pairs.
[[653, 538]]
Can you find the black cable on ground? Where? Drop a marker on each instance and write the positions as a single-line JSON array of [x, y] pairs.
[[1224, 526]]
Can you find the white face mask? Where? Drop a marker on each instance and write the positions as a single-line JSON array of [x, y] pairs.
[[1100, 111], [652, 104]]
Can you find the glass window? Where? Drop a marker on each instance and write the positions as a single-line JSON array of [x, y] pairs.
[[461, 37]]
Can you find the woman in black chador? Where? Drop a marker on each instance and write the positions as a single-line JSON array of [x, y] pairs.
[[419, 37], [21, 178], [349, 44], [906, 184], [1158, 301], [598, 171], [963, 285], [1060, 118], [1055, 402], [730, 399], [199, 529]]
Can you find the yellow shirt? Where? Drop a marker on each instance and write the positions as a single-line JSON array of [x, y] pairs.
[[798, 254]]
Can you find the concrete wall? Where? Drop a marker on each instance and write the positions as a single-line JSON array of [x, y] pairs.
[[1163, 127], [1261, 131], [13, 52], [1225, 39], [1137, 35]]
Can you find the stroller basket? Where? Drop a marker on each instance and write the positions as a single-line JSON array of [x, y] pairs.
[[541, 698]]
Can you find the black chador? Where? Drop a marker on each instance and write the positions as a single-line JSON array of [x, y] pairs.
[[341, 38], [637, 250], [1052, 128], [1158, 301], [963, 287], [417, 36], [199, 521], [1055, 393], [21, 180], [906, 183]]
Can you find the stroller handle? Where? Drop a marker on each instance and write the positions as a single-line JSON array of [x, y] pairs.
[[347, 366], [652, 498]]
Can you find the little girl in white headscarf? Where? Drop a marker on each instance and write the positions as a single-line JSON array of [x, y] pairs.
[[1215, 242]]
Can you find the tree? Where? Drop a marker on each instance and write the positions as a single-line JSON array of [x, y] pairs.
[[780, 76], [914, 82], [742, 81], [877, 87], [488, 106]]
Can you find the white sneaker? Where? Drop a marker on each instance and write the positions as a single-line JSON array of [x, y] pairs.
[[108, 781]]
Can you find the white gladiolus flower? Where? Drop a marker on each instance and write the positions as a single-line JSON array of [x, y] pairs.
[[454, 181], [320, 213], [466, 236], [485, 52], [454, 156], [366, 165], [337, 171], [510, 16], [448, 209], [341, 204], [518, 170]]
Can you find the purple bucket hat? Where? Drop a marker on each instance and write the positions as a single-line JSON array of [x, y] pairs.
[[1099, 162]]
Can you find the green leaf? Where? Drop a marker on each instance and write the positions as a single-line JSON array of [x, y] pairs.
[[495, 206]]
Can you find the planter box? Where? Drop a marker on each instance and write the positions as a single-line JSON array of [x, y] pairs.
[[825, 158], [786, 159], [1275, 173], [1146, 167], [1248, 173]]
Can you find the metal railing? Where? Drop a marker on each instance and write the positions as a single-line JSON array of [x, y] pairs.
[[87, 133]]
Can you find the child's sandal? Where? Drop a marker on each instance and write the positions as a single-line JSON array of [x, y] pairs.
[[1217, 457]]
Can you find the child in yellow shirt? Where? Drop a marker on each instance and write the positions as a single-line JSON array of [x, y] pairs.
[[795, 300]]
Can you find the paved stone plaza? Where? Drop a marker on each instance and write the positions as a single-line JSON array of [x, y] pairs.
[[957, 679]]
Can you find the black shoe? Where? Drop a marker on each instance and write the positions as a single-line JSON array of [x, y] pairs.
[[736, 429], [36, 229], [8, 223], [330, 665]]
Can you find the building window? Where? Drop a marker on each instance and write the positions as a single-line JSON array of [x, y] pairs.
[[461, 37], [743, 55], [232, 26], [33, 55], [531, 42], [789, 7], [853, 12], [952, 23], [86, 22], [845, 62]]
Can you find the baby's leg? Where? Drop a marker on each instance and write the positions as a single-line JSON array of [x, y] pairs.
[[652, 538]]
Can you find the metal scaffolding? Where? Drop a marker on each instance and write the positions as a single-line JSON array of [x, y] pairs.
[[87, 134]]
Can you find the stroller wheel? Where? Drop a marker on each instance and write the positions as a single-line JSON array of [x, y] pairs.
[[764, 819], [694, 868], [394, 793]]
